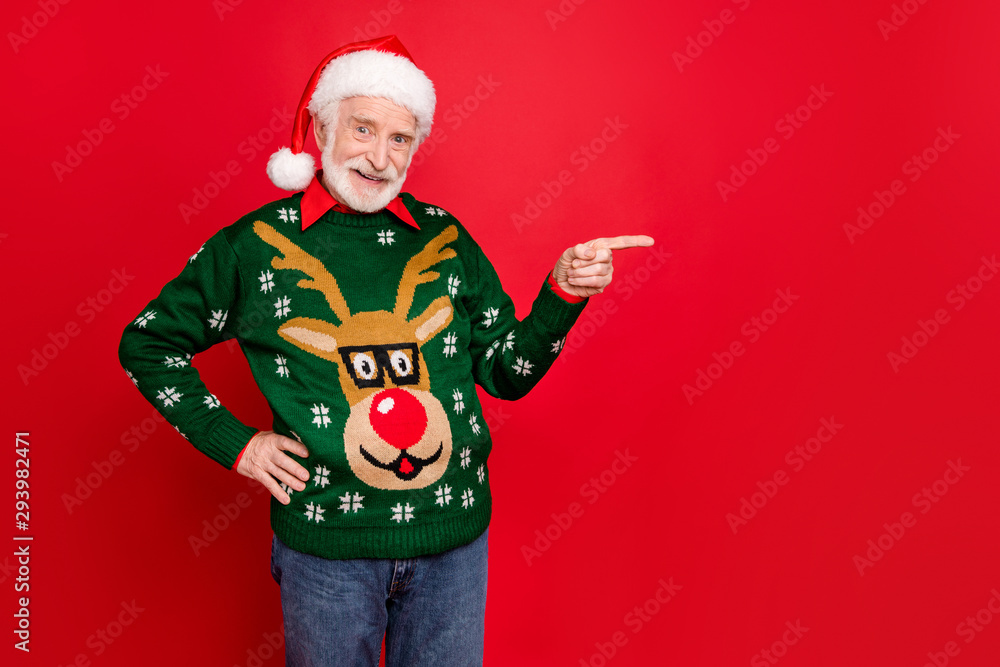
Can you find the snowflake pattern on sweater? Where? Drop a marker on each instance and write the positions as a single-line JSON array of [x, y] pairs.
[[372, 354]]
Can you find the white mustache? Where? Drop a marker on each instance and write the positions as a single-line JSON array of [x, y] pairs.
[[389, 174]]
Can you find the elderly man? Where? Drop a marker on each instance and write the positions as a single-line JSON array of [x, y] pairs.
[[367, 318]]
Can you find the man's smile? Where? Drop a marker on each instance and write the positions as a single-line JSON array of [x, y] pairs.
[[371, 179]]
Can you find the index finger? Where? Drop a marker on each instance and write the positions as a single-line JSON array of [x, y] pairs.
[[294, 446], [621, 242], [286, 462], [283, 460]]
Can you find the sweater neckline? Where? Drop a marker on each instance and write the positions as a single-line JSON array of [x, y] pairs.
[[377, 219]]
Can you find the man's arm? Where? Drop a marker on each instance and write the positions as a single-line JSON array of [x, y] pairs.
[[190, 314], [510, 356]]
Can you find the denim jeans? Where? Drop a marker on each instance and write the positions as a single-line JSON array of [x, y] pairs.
[[430, 609]]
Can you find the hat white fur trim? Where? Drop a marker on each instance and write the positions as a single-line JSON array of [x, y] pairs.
[[372, 73], [291, 171]]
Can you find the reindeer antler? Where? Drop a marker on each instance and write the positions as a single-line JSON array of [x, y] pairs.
[[416, 271], [296, 258]]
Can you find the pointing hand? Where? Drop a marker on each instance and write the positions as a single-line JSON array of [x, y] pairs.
[[585, 269]]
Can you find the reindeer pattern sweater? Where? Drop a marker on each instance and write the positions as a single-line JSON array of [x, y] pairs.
[[367, 337]]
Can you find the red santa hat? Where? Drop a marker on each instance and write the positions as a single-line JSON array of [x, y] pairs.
[[380, 67]]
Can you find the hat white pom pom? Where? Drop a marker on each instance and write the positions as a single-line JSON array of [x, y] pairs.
[[291, 171]]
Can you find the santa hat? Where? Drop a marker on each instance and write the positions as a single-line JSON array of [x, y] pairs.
[[379, 67]]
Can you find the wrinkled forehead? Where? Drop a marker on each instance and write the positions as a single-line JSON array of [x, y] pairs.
[[378, 112]]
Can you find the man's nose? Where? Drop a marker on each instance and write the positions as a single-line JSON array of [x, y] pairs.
[[378, 154]]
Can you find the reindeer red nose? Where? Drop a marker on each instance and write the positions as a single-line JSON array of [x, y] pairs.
[[398, 418]]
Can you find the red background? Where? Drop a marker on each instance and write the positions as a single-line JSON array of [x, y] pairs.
[[555, 85]]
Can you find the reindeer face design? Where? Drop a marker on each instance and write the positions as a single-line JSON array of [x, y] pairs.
[[397, 434]]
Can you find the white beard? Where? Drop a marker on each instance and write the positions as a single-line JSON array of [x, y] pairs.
[[339, 180]]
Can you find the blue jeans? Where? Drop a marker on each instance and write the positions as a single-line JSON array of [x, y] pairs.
[[430, 609]]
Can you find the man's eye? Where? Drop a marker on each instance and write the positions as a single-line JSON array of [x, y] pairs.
[[363, 130]]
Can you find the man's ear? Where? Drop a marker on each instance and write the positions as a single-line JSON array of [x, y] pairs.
[[319, 132]]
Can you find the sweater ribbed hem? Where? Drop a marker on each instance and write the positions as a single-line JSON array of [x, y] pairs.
[[391, 542], [227, 439]]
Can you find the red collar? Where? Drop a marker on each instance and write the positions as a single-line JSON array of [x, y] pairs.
[[317, 201]]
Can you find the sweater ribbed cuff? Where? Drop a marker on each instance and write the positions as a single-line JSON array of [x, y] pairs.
[[236, 463], [226, 440], [553, 311], [566, 296]]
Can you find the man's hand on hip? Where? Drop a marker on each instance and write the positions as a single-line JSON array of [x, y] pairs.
[[264, 460], [585, 269]]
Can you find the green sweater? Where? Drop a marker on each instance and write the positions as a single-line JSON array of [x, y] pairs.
[[366, 336]]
